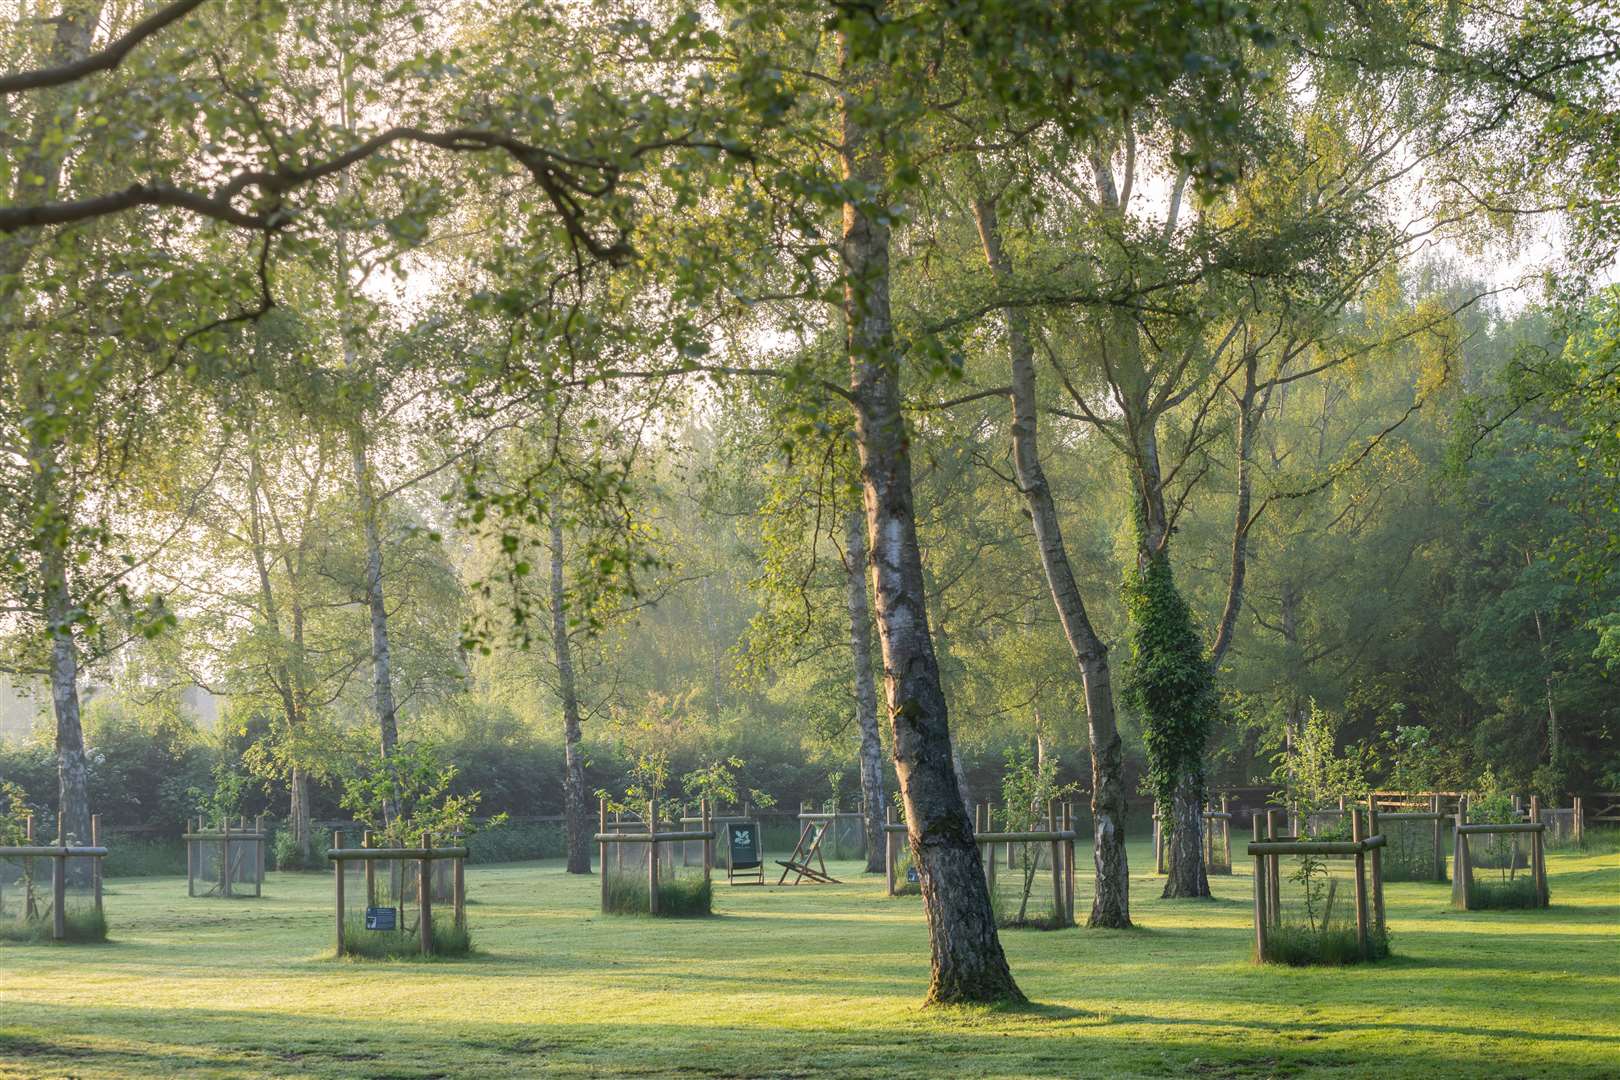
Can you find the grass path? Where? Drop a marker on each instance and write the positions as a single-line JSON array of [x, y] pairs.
[[797, 982]]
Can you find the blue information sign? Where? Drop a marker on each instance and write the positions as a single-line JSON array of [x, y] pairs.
[[911, 876], [382, 918]]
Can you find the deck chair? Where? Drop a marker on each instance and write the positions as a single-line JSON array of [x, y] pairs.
[[747, 854], [806, 851]]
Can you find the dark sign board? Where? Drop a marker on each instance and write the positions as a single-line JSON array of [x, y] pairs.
[[382, 918], [911, 876], [743, 836]]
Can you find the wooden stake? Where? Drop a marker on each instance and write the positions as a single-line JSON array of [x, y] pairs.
[[1578, 822], [1058, 904], [708, 841], [225, 856], [459, 883], [367, 838], [1377, 868], [424, 897], [602, 856], [889, 847], [1273, 886], [652, 856], [59, 887], [1261, 891], [1439, 840], [1068, 883], [1226, 832], [337, 866], [95, 864], [1362, 938]]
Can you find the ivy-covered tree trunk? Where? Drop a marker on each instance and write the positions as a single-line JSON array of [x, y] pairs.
[[968, 964], [574, 802], [1110, 904], [1172, 689], [860, 648]]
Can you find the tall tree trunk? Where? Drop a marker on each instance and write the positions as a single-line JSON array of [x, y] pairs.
[[1247, 418], [381, 659], [574, 806], [298, 810], [1110, 904], [860, 648], [1547, 678], [968, 964]]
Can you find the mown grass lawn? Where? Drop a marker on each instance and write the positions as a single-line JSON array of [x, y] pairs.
[[813, 980]]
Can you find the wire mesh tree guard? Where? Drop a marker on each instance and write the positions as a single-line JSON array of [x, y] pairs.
[[641, 850], [1217, 841], [1499, 865], [224, 861], [1414, 848], [398, 883], [1039, 868], [73, 907], [1328, 907]]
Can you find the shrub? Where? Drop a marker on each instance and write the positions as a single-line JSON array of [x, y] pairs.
[[1513, 893], [81, 926], [1301, 946], [288, 855], [448, 940], [678, 898]]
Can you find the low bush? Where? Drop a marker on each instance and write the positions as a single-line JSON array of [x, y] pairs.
[[448, 940], [1301, 946], [678, 898], [81, 926], [1518, 892]]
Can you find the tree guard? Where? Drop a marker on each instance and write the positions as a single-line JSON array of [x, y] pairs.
[[1317, 901], [406, 882], [226, 861], [53, 890]]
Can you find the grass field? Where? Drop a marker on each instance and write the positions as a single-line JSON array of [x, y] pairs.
[[795, 982]]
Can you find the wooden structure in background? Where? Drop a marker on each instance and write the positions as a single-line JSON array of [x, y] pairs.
[[425, 857], [59, 854], [240, 852], [652, 838], [1268, 849]]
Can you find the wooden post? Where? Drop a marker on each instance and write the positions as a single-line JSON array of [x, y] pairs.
[[30, 906], [1578, 822], [258, 862], [602, 827], [337, 867], [1068, 863], [367, 838], [225, 856], [708, 841], [888, 847], [1439, 841], [424, 896], [1459, 862], [987, 852], [1377, 867], [1261, 893], [459, 868], [1226, 832], [1273, 886], [989, 825], [59, 886], [95, 864], [1362, 938], [191, 860], [652, 855], [1538, 852], [1058, 904]]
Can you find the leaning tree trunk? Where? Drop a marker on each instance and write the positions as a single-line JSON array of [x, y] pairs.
[[574, 808], [860, 647], [381, 659], [968, 964], [1110, 905], [72, 766]]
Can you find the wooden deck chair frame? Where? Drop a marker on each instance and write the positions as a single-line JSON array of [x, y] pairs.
[[807, 850]]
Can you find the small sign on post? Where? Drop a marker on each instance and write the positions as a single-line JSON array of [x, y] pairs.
[[382, 918], [912, 877]]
